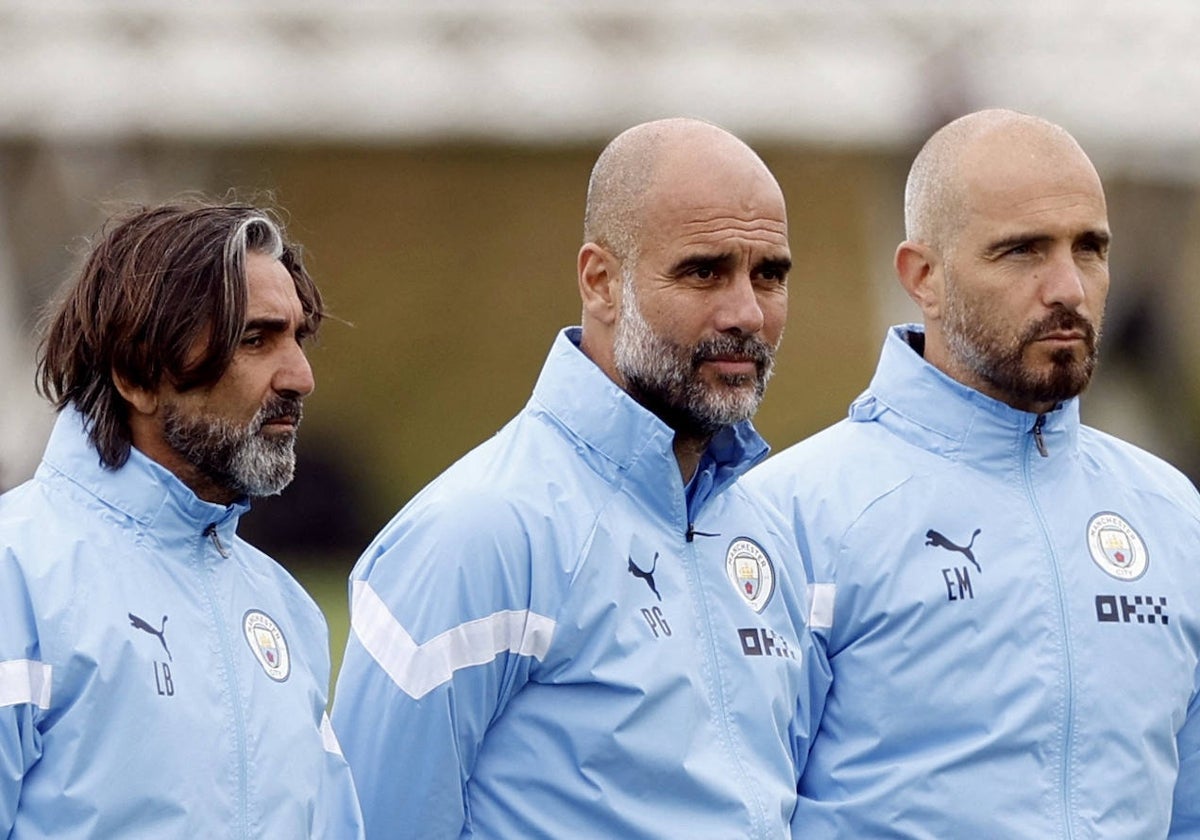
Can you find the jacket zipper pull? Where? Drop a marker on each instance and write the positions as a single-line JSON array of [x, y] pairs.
[[692, 533], [211, 533], [1037, 436]]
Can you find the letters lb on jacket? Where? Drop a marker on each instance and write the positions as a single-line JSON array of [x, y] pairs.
[[1016, 628], [552, 640], [159, 677]]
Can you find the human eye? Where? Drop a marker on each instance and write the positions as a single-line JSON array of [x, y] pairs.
[[1094, 245], [773, 272], [253, 340], [700, 275], [1018, 248], [701, 268]]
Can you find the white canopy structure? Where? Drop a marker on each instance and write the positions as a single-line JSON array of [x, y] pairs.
[[1122, 76]]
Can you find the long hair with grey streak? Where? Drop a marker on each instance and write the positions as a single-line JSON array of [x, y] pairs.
[[160, 298]]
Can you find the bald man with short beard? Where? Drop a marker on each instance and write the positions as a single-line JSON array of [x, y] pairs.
[[1016, 623], [585, 628]]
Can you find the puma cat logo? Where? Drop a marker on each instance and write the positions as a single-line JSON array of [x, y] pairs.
[[142, 624], [646, 576], [932, 537]]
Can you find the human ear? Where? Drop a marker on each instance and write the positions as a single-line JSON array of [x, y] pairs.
[[599, 276], [140, 399], [919, 271]]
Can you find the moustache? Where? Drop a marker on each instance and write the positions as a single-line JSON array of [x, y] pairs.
[[744, 347], [290, 409], [1062, 320]]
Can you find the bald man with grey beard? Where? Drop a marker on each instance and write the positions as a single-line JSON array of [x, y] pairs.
[[586, 628]]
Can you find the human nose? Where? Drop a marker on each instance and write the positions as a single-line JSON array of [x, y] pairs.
[[295, 375], [740, 309], [1064, 282]]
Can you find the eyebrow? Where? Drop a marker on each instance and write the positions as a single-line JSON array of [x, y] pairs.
[[781, 264], [724, 260], [686, 264], [278, 326], [1097, 236], [266, 325], [1002, 245]]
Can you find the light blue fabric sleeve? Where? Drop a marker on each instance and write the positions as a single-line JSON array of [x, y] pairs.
[[338, 812], [20, 740], [808, 718], [404, 754], [1185, 813], [19, 751], [416, 695], [1185, 810], [334, 803]]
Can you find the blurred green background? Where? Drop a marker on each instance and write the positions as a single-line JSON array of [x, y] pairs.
[[326, 582]]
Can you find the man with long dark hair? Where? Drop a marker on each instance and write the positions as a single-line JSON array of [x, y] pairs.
[[160, 677]]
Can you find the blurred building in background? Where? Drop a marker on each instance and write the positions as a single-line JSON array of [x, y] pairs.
[[433, 156]]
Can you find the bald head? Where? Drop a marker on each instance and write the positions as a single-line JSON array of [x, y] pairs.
[[945, 174], [683, 276], [651, 155], [1007, 256]]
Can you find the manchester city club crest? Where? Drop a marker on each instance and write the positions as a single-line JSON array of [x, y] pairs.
[[267, 642], [751, 572], [1115, 547]]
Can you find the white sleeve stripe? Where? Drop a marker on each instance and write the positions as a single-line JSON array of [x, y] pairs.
[[328, 738], [820, 605], [418, 669], [25, 681]]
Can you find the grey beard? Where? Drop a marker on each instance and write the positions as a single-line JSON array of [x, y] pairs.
[[237, 458], [664, 377]]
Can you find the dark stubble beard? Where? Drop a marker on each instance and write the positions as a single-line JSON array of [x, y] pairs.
[[1000, 360], [238, 458], [665, 378]]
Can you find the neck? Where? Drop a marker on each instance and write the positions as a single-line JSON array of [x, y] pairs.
[[688, 451], [935, 350], [156, 449], [198, 482]]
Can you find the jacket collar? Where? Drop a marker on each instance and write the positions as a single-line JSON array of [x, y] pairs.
[[919, 402], [142, 489], [621, 435]]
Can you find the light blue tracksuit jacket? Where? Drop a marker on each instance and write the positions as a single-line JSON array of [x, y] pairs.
[[159, 678], [553, 640], [1016, 627]]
